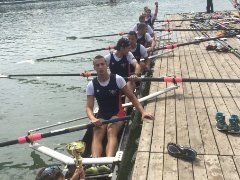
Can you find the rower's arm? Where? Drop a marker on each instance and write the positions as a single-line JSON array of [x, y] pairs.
[[89, 107], [137, 68], [153, 43], [136, 103], [133, 99]]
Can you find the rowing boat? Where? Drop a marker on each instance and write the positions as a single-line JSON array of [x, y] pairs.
[[122, 136], [87, 160], [115, 161]]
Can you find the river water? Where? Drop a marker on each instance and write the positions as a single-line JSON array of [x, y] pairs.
[[37, 29]]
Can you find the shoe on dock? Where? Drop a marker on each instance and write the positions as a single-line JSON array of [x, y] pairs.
[[210, 47], [222, 49], [178, 151], [221, 124], [233, 124]]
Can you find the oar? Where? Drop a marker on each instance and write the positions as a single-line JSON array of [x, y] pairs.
[[82, 52], [173, 46], [174, 79], [158, 55], [57, 124], [191, 19], [191, 13], [37, 136], [225, 44], [83, 74], [170, 29], [116, 34]]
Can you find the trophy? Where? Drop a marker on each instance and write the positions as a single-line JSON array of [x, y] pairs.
[[76, 149]]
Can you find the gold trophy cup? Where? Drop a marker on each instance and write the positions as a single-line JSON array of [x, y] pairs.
[[76, 149]]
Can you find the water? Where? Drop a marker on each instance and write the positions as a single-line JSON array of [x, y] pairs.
[[37, 29]]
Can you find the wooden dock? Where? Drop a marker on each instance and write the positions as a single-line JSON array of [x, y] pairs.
[[186, 116]]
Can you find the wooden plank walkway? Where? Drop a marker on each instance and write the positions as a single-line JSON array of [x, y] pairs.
[[186, 116]]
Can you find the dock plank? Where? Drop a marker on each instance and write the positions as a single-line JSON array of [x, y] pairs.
[[213, 167], [210, 146], [193, 126], [186, 115], [181, 118], [170, 168], [200, 172], [141, 166], [155, 166], [185, 170], [159, 122], [170, 121], [228, 168], [237, 163]]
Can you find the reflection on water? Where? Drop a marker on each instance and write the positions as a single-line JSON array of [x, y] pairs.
[[38, 162]]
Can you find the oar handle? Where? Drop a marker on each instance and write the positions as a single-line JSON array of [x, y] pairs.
[[116, 120]]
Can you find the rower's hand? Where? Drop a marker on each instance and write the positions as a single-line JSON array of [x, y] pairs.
[[78, 174], [147, 116], [150, 49], [132, 77], [96, 122], [147, 67]]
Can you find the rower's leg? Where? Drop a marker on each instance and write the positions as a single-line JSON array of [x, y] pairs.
[[98, 135], [112, 134]]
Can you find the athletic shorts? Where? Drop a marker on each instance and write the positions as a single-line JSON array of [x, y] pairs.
[[120, 113]]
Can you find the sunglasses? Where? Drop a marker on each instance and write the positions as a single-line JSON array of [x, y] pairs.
[[50, 170]]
